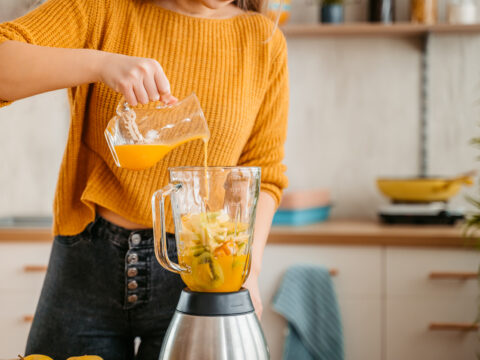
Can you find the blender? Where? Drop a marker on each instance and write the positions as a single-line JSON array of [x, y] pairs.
[[214, 216]]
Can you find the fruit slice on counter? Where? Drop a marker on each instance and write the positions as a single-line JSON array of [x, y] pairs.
[[85, 357], [35, 357]]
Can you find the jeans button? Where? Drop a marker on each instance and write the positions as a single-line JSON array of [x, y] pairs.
[[132, 258], [132, 298], [132, 272], [132, 285], [136, 239]]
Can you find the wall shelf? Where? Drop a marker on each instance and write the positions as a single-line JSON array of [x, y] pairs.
[[369, 29]]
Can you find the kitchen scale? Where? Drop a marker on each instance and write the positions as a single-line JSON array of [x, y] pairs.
[[434, 213]]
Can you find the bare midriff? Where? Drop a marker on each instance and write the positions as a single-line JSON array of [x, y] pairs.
[[119, 220]]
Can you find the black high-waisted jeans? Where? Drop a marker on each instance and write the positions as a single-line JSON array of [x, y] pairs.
[[103, 288]]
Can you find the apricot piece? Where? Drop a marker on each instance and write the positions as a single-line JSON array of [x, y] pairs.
[[35, 357], [85, 357]]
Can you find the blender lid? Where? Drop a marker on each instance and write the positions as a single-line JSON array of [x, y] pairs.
[[215, 304]]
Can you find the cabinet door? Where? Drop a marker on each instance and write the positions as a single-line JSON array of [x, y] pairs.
[[415, 300], [357, 284], [23, 269]]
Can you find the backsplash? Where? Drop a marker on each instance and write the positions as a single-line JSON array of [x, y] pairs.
[[354, 115]]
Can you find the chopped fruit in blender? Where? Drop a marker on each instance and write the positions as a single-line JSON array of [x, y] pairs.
[[214, 248]]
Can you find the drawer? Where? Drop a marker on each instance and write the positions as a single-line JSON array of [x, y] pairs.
[[408, 272], [19, 303], [362, 328], [16, 310], [357, 284], [359, 268], [408, 334], [23, 265], [13, 336]]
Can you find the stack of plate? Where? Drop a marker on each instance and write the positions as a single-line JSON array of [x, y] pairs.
[[303, 207]]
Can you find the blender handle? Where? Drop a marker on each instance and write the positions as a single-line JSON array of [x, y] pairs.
[[158, 211]]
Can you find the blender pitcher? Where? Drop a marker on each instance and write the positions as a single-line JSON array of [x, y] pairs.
[[139, 136], [214, 215]]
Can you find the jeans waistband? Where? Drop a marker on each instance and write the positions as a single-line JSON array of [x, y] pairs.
[[120, 236]]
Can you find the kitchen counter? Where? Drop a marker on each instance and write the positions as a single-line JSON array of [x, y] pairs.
[[334, 232]]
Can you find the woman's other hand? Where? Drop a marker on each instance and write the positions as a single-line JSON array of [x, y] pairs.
[[252, 285], [140, 80]]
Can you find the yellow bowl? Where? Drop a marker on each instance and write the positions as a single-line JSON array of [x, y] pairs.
[[421, 189]]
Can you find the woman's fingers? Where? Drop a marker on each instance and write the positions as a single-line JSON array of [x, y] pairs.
[[163, 85], [151, 88], [168, 99], [140, 93], [129, 96]]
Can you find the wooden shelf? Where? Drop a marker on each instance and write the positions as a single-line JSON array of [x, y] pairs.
[[349, 232], [371, 29]]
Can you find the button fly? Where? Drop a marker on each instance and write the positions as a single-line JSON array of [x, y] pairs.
[[132, 285], [132, 259], [136, 239], [132, 272], [132, 298]]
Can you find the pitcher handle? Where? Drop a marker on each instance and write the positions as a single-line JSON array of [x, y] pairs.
[[158, 211]]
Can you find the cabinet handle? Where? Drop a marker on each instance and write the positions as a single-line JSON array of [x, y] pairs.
[[27, 318], [35, 268], [333, 272], [453, 275], [454, 326]]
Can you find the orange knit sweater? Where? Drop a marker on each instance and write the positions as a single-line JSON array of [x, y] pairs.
[[240, 79]]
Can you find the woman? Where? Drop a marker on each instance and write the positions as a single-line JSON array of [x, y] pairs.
[[103, 286]]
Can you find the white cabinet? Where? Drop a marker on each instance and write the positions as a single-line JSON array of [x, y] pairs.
[[358, 286], [414, 300], [387, 298], [22, 268]]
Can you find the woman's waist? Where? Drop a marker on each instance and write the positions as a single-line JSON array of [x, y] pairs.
[[118, 220]]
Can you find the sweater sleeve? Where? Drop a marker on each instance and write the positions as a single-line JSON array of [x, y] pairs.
[[265, 147], [58, 23]]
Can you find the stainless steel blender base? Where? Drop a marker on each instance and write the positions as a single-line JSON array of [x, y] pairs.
[[232, 337]]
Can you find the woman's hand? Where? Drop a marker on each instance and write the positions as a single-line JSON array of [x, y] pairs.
[[252, 285], [140, 80]]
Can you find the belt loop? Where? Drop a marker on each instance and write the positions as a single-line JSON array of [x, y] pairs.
[[88, 232]]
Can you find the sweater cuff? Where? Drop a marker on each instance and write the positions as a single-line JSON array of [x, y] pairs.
[[4, 103], [274, 191]]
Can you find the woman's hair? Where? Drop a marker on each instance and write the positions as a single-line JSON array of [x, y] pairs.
[[251, 5]]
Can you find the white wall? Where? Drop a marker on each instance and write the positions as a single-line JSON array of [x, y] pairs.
[[34, 133], [354, 115]]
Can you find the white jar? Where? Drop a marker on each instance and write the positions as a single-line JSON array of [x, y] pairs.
[[462, 12]]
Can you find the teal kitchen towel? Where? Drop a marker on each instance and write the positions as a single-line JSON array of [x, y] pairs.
[[306, 299]]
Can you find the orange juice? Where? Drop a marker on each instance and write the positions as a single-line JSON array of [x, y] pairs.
[[227, 274], [144, 156]]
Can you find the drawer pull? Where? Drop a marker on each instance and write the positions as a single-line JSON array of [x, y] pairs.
[[454, 326], [333, 272], [35, 268], [453, 275], [27, 318]]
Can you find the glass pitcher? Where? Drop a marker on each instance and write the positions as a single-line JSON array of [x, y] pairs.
[[214, 215], [140, 136]]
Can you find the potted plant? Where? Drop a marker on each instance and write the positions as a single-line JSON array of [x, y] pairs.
[[331, 11]]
